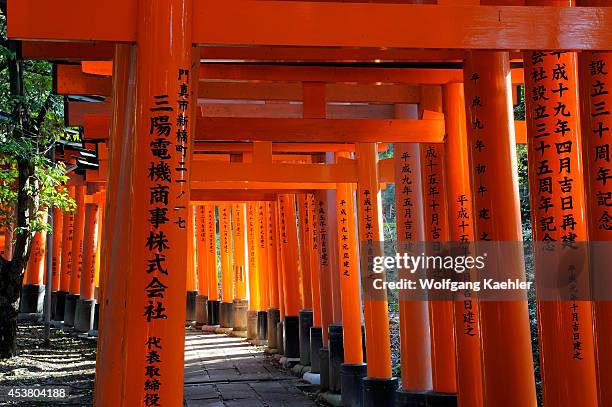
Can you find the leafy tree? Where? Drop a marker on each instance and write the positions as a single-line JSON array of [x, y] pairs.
[[30, 182]]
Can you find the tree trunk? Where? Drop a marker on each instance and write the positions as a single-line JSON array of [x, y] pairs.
[[10, 290]]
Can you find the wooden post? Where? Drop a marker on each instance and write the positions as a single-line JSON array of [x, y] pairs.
[[594, 69], [414, 315], [226, 251], [56, 263], [289, 236], [506, 343], [379, 386], [156, 303], [85, 306], [558, 214], [461, 233], [211, 266]]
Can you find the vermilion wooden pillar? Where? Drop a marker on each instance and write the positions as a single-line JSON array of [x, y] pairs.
[[202, 266], [239, 232], [504, 325], [253, 275], [594, 70], [85, 306], [274, 276], [226, 251], [261, 248], [191, 277], [304, 227], [461, 233], [77, 255], [56, 262], [240, 250], [116, 245], [66, 266], [281, 264], [436, 235], [161, 162], [379, 386], [211, 265], [558, 215], [353, 369], [414, 315], [289, 236], [325, 257], [33, 289], [316, 332]]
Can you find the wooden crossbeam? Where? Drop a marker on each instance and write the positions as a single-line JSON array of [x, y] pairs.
[[278, 172], [320, 130], [328, 24], [204, 196]]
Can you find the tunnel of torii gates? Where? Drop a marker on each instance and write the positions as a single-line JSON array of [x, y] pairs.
[[259, 124]]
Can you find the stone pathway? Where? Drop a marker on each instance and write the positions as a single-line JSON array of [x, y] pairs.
[[225, 371]]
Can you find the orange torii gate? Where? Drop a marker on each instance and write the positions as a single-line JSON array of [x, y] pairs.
[[167, 81]]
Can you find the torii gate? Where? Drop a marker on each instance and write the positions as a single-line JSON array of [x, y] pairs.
[[161, 72]]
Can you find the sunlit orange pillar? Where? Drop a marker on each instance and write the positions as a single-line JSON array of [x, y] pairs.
[[253, 271], [85, 306], [316, 333], [326, 255], [558, 215], [201, 268], [226, 252], [504, 325], [191, 277], [165, 82], [263, 269], [211, 266], [33, 288], [306, 313], [289, 244], [77, 255], [353, 370], [66, 265], [274, 276], [239, 231], [379, 382], [461, 233], [414, 315], [281, 280], [56, 261], [594, 70]]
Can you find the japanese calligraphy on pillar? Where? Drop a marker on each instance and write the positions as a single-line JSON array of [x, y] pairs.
[[167, 203], [345, 254], [322, 227], [436, 225], [598, 145], [555, 167], [405, 203], [479, 155]]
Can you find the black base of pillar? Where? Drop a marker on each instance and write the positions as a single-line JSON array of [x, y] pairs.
[[273, 320], [251, 324], [58, 302], [291, 337], [96, 320], [201, 311], [213, 313], [262, 325], [404, 398], [226, 315], [239, 311], [441, 399], [324, 369], [316, 343], [70, 309], [280, 341], [32, 299], [336, 357], [84, 315], [379, 392], [190, 305], [305, 325], [352, 384]]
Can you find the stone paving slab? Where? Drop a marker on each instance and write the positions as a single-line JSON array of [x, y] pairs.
[[224, 371]]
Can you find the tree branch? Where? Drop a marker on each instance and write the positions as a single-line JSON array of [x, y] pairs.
[[42, 113]]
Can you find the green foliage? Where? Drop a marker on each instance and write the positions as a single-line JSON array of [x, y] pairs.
[[31, 124]]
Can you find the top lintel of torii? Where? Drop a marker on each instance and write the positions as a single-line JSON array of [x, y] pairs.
[[328, 24]]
